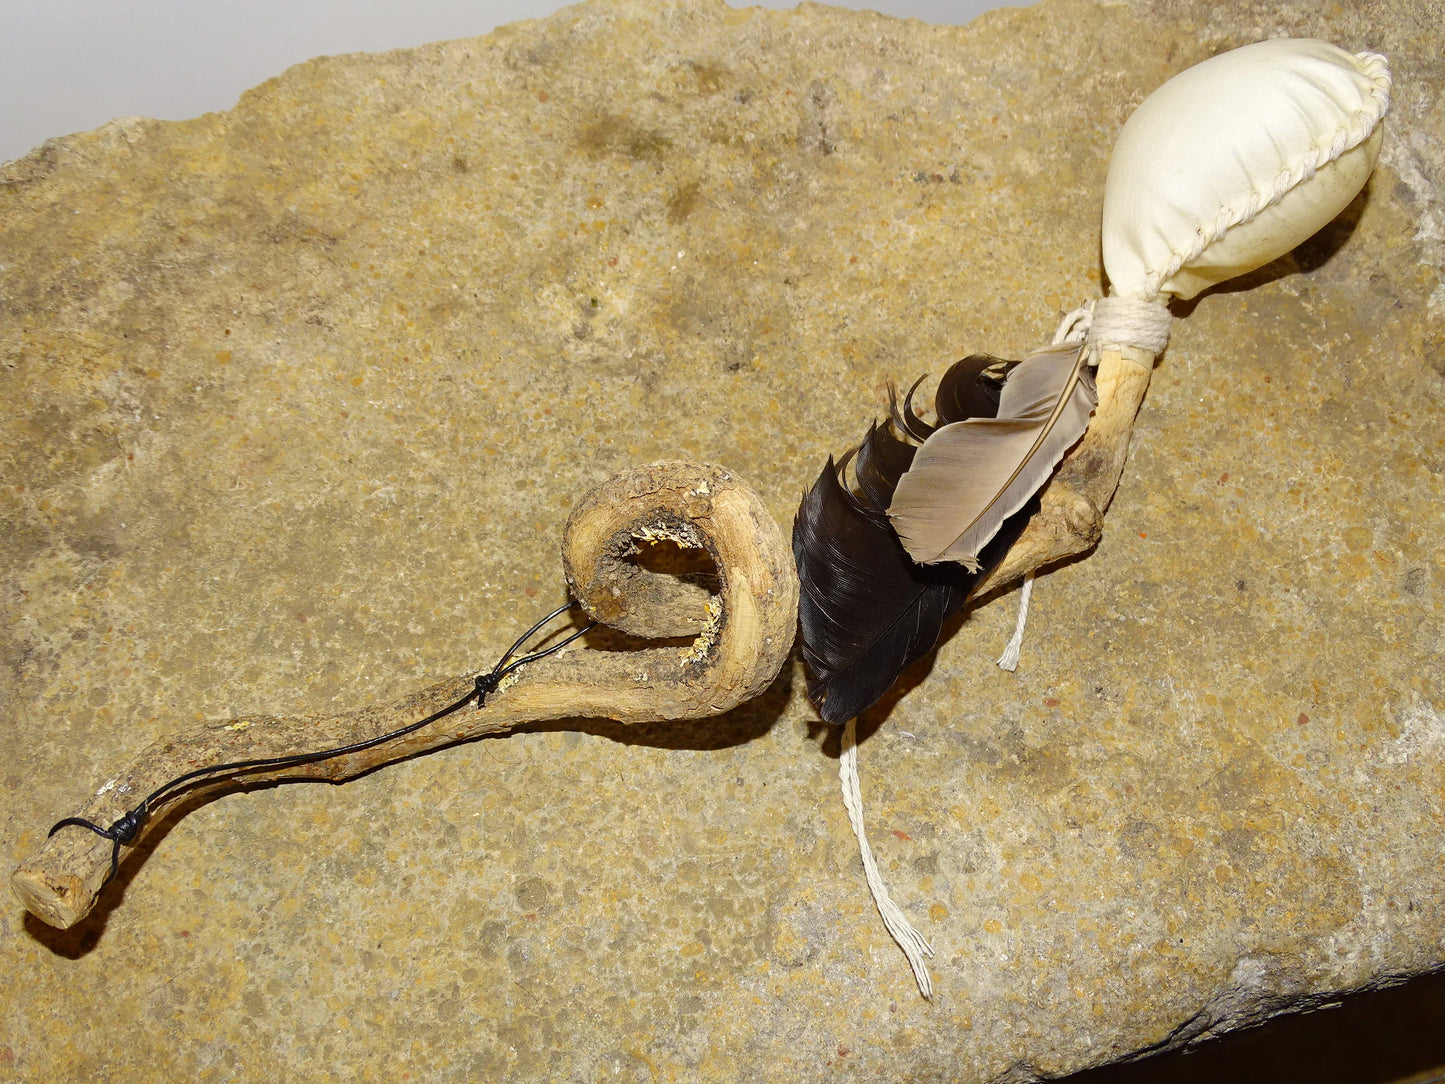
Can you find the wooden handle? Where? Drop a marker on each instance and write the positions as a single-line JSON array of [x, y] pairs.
[[1071, 519], [742, 636]]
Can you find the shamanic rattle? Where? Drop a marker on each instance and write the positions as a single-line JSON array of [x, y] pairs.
[[1227, 166], [1224, 168]]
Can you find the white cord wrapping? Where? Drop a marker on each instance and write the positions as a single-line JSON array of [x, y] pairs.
[[1074, 327], [1127, 321], [909, 940], [1117, 321]]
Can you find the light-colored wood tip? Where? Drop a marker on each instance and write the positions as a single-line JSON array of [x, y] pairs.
[[53, 901]]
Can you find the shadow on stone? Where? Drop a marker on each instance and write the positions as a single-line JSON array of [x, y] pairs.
[[1376, 1037], [737, 727], [742, 724], [1310, 255]]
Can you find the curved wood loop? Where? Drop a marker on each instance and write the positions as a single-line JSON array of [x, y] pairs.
[[741, 637]]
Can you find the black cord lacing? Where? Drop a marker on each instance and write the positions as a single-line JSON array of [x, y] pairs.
[[125, 828]]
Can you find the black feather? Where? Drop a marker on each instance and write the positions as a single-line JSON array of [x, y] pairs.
[[971, 388], [867, 609], [878, 463], [907, 422]]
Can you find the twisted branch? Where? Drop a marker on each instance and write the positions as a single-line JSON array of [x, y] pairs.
[[1071, 520], [742, 636]]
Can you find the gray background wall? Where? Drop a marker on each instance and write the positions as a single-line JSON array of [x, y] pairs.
[[71, 65]]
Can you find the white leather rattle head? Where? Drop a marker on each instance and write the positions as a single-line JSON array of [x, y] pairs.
[[1233, 162]]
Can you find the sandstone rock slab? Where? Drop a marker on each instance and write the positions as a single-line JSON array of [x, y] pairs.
[[297, 397]]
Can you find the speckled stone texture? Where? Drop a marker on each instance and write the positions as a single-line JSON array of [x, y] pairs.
[[294, 401]]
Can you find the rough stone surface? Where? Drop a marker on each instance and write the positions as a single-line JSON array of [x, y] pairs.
[[296, 399]]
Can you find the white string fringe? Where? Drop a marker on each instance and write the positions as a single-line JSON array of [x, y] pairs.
[[1009, 660], [909, 940]]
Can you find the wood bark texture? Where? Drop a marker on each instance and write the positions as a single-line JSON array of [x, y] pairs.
[[741, 638], [1071, 519]]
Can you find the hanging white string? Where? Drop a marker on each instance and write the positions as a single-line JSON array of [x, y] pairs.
[[1117, 320], [909, 940], [1009, 660], [1109, 320], [1076, 326]]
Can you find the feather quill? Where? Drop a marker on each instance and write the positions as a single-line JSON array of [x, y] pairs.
[[970, 476], [867, 610]]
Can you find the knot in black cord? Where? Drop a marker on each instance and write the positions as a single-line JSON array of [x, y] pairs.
[[488, 683], [126, 827], [486, 686], [123, 830]]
